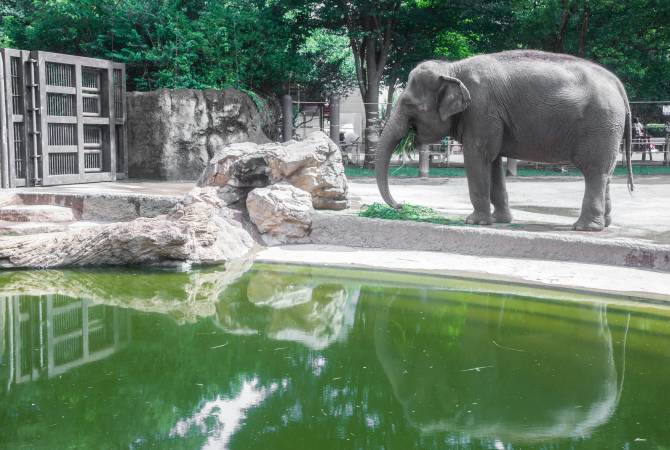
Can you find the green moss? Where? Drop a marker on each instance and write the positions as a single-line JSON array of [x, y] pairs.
[[407, 212]]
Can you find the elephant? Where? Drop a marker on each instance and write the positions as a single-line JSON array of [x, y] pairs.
[[522, 104]]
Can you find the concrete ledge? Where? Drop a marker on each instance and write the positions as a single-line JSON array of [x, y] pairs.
[[96, 206], [354, 231]]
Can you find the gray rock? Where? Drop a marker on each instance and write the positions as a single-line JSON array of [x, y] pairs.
[[198, 230], [281, 212], [36, 213], [313, 165], [173, 133]]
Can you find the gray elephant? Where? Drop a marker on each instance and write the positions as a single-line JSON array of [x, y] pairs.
[[527, 105]]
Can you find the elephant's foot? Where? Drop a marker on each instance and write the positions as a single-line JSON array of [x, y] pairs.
[[479, 218], [589, 225], [608, 221], [504, 216]]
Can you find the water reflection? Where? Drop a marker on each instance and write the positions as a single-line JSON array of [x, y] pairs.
[[49, 335], [315, 311], [499, 372], [285, 358]]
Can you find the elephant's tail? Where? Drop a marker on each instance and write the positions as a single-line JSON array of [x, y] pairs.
[[628, 141]]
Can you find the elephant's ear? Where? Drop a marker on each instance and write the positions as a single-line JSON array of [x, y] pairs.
[[452, 97]]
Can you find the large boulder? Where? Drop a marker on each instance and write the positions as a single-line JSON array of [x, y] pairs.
[[173, 133], [313, 165], [281, 212]]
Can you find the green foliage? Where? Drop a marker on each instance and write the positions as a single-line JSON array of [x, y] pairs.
[[407, 212]]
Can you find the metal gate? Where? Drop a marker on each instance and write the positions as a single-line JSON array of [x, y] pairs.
[[63, 119]]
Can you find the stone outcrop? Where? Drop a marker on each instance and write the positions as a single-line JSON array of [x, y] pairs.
[[313, 165], [281, 212], [278, 185], [173, 133], [198, 230]]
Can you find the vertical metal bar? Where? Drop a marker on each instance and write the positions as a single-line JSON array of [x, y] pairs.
[[9, 114], [33, 116], [80, 118], [4, 139], [109, 151], [335, 119], [41, 146]]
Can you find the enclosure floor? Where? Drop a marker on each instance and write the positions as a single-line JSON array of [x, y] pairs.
[[542, 204], [538, 204]]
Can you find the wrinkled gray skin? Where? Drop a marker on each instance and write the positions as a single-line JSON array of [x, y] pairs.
[[527, 105]]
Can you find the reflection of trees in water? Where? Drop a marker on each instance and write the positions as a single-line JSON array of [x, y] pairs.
[[48, 335]]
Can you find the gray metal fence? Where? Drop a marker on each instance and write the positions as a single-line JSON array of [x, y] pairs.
[[62, 119]]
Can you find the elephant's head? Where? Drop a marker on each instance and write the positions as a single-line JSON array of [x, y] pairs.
[[428, 104]]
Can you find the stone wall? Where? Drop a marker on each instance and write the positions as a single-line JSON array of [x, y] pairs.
[[173, 133]]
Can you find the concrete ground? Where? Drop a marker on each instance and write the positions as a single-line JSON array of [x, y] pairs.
[[538, 204], [541, 204]]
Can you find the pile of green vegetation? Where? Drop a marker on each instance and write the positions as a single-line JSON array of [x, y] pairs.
[[415, 213]]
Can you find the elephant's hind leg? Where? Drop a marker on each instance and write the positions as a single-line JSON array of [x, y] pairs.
[[501, 212], [608, 204], [594, 204]]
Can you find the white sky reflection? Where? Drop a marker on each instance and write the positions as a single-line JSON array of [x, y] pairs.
[[221, 418]]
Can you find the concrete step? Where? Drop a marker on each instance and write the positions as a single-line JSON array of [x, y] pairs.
[[36, 213]]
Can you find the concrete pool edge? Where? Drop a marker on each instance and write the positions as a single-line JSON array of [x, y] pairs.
[[354, 231], [635, 283]]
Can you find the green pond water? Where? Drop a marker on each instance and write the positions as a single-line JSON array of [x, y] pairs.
[[288, 357]]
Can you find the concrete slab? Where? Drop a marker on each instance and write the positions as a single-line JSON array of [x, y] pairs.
[[549, 204], [596, 277]]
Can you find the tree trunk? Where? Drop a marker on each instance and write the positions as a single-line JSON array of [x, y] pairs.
[[584, 29], [559, 41], [371, 119]]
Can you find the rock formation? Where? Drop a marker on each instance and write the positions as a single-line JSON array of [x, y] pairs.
[[313, 165], [281, 212], [198, 230], [278, 183], [173, 133]]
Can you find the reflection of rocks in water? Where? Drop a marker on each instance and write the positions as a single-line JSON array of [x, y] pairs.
[[289, 307], [185, 296], [517, 374]]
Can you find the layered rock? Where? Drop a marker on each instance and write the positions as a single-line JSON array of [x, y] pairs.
[[281, 212], [278, 185], [197, 230], [313, 165], [173, 133]]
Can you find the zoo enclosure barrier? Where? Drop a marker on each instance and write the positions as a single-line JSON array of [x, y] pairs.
[[62, 119]]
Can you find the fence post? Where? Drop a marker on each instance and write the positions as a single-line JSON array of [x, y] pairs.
[[287, 117], [511, 167], [335, 119], [424, 160]]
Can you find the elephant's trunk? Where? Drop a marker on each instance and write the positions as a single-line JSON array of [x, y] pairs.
[[395, 129]]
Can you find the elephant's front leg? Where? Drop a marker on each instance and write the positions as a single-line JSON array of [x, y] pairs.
[[478, 171], [501, 212]]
